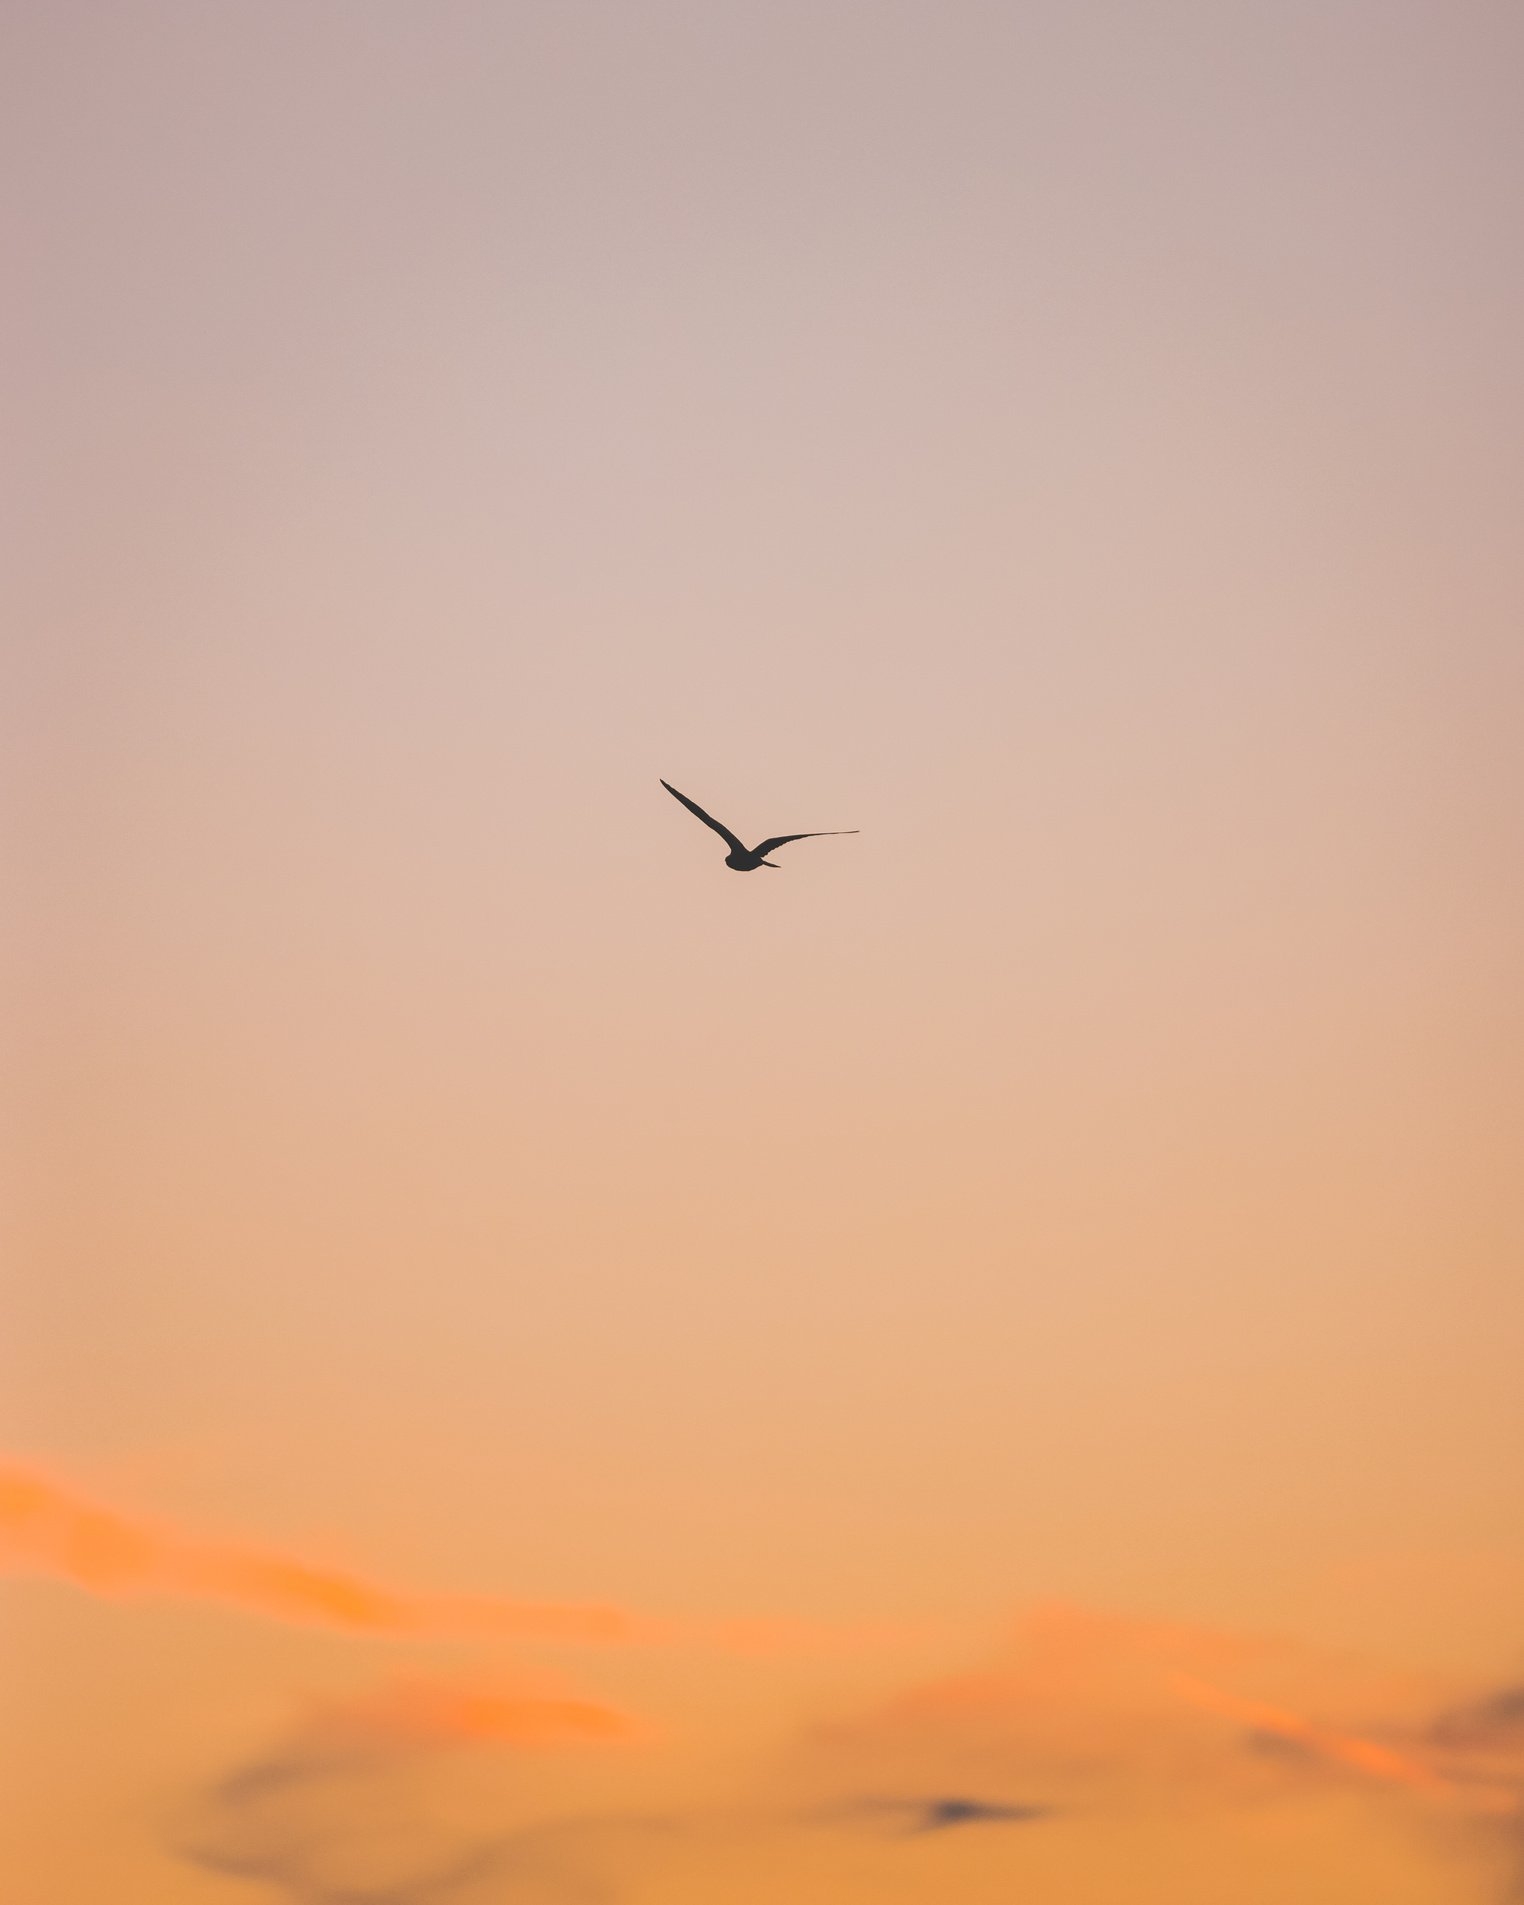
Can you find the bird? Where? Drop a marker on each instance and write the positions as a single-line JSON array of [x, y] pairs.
[[741, 858]]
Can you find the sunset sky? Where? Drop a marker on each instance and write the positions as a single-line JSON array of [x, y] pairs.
[[536, 1371]]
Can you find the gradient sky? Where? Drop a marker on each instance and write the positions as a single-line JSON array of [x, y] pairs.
[[1079, 445]]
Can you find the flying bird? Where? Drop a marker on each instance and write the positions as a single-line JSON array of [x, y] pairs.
[[741, 858]]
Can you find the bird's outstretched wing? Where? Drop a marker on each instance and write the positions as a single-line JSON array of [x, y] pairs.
[[708, 819], [782, 839]]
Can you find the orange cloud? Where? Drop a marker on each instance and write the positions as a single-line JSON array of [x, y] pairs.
[[1058, 1652], [457, 1711], [365, 1797], [1340, 1749], [1077, 1702], [51, 1529]]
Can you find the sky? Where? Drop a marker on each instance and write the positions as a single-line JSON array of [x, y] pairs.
[[536, 1369]]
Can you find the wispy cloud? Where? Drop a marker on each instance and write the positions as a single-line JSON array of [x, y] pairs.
[[52, 1529], [1491, 1722], [940, 1812], [1074, 1701], [1101, 1714], [345, 1810], [428, 1712], [1075, 1717], [1263, 1719]]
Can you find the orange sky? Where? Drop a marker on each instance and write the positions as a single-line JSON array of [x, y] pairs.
[[459, 1223]]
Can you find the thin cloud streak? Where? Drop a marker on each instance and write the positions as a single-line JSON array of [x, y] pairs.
[[1340, 1749], [50, 1529], [429, 1712], [942, 1812]]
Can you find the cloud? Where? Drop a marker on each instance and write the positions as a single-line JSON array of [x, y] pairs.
[[441, 1711], [361, 1805], [1089, 1706], [1086, 1720], [1492, 1723], [1314, 1741], [944, 1812], [1479, 1745], [1104, 1716], [358, 1805], [49, 1528], [428, 1791]]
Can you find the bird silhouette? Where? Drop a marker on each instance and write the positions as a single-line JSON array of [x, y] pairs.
[[741, 858]]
